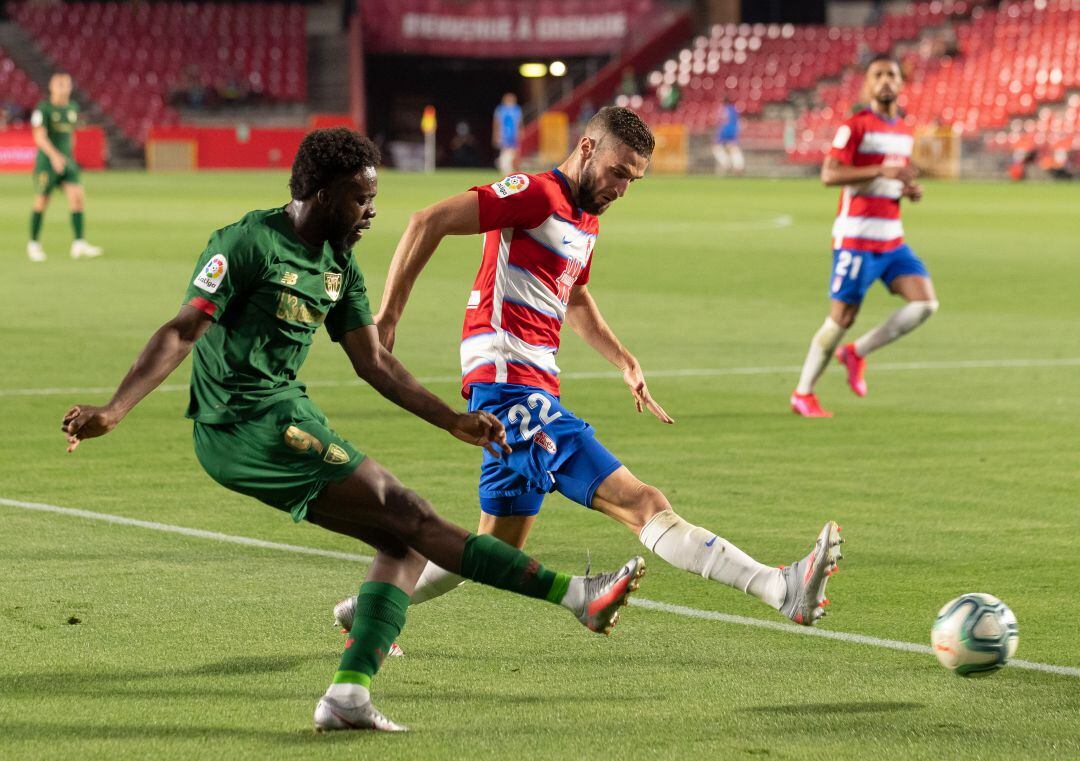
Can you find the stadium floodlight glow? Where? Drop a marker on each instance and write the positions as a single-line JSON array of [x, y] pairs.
[[557, 69], [533, 70]]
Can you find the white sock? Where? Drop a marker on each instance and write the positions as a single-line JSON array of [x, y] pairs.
[[822, 346], [694, 549], [349, 694], [434, 582], [903, 320]]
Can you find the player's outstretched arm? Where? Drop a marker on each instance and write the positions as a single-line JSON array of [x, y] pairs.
[[162, 354], [584, 317], [375, 364], [457, 215]]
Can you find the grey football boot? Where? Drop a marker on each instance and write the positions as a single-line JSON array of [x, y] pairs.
[[805, 600]]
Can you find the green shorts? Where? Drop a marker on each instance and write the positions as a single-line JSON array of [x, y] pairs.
[[284, 457], [46, 179]]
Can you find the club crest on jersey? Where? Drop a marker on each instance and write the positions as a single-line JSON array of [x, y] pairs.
[[515, 183], [544, 441], [332, 281], [210, 277]]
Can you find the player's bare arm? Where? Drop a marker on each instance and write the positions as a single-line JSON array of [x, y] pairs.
[[583, 316], [457, 215], [376, 365], [163, 353], [835, 172], [44, 144]]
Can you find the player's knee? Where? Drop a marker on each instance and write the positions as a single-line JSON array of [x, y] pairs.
[[411, 513], [928, 308], [648, 502]]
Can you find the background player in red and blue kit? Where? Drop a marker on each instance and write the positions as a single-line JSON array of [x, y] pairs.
[[540, 236], [871, 159]]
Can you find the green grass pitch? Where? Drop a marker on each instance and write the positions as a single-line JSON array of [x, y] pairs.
[[958, 473]]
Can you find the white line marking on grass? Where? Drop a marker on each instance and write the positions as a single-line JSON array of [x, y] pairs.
[[195, 532], [663, 607], [702, 372], [859, 639]]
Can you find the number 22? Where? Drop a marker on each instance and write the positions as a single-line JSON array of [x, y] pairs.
[[520, 412]]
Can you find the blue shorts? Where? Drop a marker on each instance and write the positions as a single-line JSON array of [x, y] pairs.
[[553, 449], [853, 272]]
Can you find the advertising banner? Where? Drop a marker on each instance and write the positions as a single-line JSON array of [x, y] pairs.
[[499, 28]]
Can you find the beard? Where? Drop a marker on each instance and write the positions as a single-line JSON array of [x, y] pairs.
[[587, 192]]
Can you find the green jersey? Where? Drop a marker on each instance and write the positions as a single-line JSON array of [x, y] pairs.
[[59, 123], [268, 294]]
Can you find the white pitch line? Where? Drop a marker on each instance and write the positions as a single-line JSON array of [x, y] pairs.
[[702, 372], [195, 532], [663, 607]]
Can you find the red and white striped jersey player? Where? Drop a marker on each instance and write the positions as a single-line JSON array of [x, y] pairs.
[[540, 234], [871, 160]]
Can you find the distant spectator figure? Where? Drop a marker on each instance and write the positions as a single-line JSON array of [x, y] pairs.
[[506, 133], [629, 85], [669, 95], [1056, 161], [463, 147], [1024, 155], [726, 151]]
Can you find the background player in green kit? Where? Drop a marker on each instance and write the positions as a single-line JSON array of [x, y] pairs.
[[54, 122], [259, 293]]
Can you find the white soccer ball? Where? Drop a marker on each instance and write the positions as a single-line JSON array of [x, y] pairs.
[[974, 634]]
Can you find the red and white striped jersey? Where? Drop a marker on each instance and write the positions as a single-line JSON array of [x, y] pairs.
[[537, 246], [869, 215]]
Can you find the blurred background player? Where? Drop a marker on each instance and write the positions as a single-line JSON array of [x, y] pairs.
[[540, 233], [506, 132], [870, 158], [53, 123], [726, 151]]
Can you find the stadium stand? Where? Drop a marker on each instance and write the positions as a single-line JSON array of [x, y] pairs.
[[1010, 61], [20, 93], [132, 59]]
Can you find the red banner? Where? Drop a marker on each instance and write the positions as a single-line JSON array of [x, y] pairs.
[[17, 149], [232, 148], [499, 28]]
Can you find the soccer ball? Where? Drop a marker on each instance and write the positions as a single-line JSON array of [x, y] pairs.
[[974, 634]]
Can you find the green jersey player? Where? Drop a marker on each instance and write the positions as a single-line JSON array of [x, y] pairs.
[[53, 122], [258, 295]]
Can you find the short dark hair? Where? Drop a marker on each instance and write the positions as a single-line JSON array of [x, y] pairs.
[[327, 154], [625, 126], [884, 58]]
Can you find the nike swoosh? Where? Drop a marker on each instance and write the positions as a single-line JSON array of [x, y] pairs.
[[711, 542], [566, 241]]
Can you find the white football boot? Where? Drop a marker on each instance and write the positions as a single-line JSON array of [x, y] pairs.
[[805, 600], [80, 249], [34, 251], [351, 709]]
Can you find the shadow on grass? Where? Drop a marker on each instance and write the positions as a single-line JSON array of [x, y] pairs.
[[82, 732], [815, 709]]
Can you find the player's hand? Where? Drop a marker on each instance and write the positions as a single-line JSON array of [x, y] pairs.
[[913, 191], [387, 330], [906, 174], [58, 163], [86, 422], [482, 429], [634, 378]]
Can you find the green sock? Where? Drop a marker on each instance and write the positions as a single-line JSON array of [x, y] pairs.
[[380, 616], [497, 564], [36, 218], [77, 224]]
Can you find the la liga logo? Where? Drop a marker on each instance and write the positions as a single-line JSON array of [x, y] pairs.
[[211, 276]]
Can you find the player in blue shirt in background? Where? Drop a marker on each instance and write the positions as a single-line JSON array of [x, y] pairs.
[[506, 133], [726, 151]]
